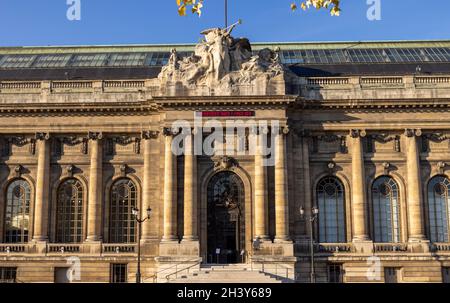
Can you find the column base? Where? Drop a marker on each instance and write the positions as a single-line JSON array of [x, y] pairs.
[[363, 245], [170, 239], [93, 239], [189, 239], [182, 249], [277, 249], [283, 239], [418, 244]]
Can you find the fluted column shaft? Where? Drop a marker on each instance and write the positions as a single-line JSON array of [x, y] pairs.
[[42, 188], [281, 192], [261, 203], [359, 203], [414, 194], [170, 173], [190, 190], [95, 188]]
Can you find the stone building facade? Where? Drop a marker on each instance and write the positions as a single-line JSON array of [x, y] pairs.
[[86, 136]]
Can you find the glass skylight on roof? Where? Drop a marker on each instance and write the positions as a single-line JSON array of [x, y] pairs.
[[46, 61], [366, 55], [127, 59], [437, 54], [16, 61], [158, 59], [89, 60]]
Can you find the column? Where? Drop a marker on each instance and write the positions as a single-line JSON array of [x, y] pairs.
[[95, 188], [170, 175], [42, 188], [359, 204], [414, 186], [281, 191], [147, 137], [190, 191], [261, 203]]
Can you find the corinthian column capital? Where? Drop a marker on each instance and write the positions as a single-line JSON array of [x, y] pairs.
[[95, 135], [357, 133], [410, 132], [149, 134], [42, 136]]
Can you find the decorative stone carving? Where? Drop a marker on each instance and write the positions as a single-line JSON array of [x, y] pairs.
[[123, 170], [441, 167], [71, 141], [413, 132], [355, 133], [386, 167], [225, 163], [18, 170], [70, 170], [222, 63], [95, 135], [19, 141], [331, 143], [149, 134], [383, 138]]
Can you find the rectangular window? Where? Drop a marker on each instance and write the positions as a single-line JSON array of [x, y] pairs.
[[119, 273], [446, 274], [335, 273], [391, 274], [8, 274]]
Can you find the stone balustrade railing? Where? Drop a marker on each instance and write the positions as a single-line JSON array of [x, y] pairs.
[[13, 248], [119, 248], [63, 248], [389, 247], [441, 247], [381, 81], [334, 247], [152, 85]]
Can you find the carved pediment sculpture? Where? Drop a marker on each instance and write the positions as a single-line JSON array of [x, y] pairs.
[[222, 63]]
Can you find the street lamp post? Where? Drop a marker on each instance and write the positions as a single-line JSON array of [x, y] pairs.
[[140, 220], [311, 218]]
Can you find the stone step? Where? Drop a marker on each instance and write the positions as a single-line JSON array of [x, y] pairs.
[[226, 274]]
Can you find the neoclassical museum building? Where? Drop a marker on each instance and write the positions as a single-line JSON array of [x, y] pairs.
[[361, 161]]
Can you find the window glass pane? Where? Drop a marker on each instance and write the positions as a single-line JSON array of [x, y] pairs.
[[89, 60], [127, 59], [69, 212], [331, 219], [385, 211], [17, 212], [46, 61], [438, 209], [17, 61], [122, 224]]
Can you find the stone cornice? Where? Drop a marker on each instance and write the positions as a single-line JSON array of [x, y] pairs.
[[379, 104], [211, 101], [98, 108]]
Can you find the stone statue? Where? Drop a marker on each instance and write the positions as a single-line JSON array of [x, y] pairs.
[[222, 63]]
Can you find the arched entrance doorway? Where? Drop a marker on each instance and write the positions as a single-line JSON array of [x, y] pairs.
[[226, 224]]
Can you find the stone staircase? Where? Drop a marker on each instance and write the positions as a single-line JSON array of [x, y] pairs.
[[231, 273]]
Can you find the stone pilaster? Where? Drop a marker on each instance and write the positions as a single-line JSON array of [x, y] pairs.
[[261, 199], [359, 187], [170, 188], [147, 137], [95, 188], [190, 191], [42, 188], [281, 191], [414, 187]]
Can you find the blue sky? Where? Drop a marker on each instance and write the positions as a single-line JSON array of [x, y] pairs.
[[44, 22]]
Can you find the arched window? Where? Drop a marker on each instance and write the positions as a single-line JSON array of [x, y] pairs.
[[438, 209], [122, 225], [330, 201], [17, 211], [69, 212], [385, 211]]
